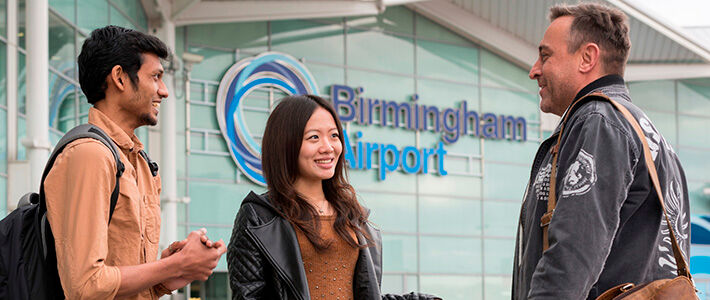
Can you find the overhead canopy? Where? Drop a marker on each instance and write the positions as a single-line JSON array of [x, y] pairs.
[[510, 28]]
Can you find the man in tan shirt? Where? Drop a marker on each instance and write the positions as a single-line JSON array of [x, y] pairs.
[[120, 73]]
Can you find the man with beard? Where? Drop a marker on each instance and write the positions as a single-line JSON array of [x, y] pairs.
[[607, 227], [103, 253]]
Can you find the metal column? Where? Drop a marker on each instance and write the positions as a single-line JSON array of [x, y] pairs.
[[168, 150], [37, 45]]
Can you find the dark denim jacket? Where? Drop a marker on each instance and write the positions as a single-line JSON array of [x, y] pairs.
[[607, 227]]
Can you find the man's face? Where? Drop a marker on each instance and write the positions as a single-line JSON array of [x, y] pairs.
[[555, 68], [145, 97]]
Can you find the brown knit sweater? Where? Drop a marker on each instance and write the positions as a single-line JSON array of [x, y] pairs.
[[330, 271]]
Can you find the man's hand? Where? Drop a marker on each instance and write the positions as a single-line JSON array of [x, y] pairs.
[[175, 247], [198, 255]]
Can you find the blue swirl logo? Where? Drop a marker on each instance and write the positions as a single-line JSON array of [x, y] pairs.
[[270, 69]]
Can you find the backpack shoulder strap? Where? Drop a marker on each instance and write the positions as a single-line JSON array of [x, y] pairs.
[[80, 132], [153, 165]]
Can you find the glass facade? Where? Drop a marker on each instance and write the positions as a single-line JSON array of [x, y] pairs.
[[680, 110], [448, 235], [441, 234]]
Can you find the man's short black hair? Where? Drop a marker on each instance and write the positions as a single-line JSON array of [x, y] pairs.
[[110, 46]]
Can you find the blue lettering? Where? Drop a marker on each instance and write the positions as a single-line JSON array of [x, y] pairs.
[[406, 152], [451, 125], [440, 152], [490, 126], [384, 165], [336, 91]]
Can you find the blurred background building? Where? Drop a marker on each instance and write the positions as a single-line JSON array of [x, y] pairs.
[[451, 235]]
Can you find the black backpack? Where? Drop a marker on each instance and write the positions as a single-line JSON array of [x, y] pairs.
[[28, 262]]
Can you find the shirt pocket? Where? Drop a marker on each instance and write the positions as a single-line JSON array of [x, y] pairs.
[[152, 217]]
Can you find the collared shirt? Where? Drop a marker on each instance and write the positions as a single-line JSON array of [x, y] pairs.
[[78, 192]]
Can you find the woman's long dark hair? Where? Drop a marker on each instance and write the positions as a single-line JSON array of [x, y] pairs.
[[280, 149]]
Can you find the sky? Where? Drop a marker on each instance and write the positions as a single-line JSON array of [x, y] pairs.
[[682, 13]]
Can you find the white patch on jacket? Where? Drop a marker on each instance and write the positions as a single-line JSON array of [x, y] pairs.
[[580, 176], [674, 208]]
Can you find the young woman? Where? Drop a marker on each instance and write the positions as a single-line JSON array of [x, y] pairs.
[[307, 237]]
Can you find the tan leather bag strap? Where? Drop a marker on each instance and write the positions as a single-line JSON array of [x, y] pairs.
[[681, 263]]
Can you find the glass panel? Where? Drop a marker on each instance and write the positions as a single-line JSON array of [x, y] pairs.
[[510, 151], [693, 131], [665, 123], [325, 76], [396, 19], [399, 253], [498, 257], [139, 15], [21, 90], [203, 117], [694, 96], [21, 133], [391, 212], [451, 255], [21, 23], [62, 105], [440, 215], [313, 41], [380, 51], [382, 86], [3, 20], [245, 36], [216, 143], [450, 185], [65, 8], [446, 61], [61, 46], [116, 18], [427, 29], [134, 10], [3, 143], [213, 66], [699, 203], [505, 102], [392, 284], [499, 72], [211, 166], [3, 196], [655, 95], [498, 287], [92, 14], [453, 287], [217, 286], [503, 181], [215, 203], [3, 73], [695, 163], [500, 218], [447, 94]]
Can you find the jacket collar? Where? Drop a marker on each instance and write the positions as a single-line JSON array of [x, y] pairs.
[[277, 238], [120, 137], [595, 85]]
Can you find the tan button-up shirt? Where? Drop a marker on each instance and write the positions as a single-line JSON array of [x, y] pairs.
[[78, 192]]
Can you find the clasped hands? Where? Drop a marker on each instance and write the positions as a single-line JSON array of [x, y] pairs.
[[198, 256]]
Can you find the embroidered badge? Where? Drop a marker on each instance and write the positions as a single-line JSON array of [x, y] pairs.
[[542, 183], [580, 176], [678, 217]]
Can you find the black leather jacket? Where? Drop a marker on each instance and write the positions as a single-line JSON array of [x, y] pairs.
[[265, 262]]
